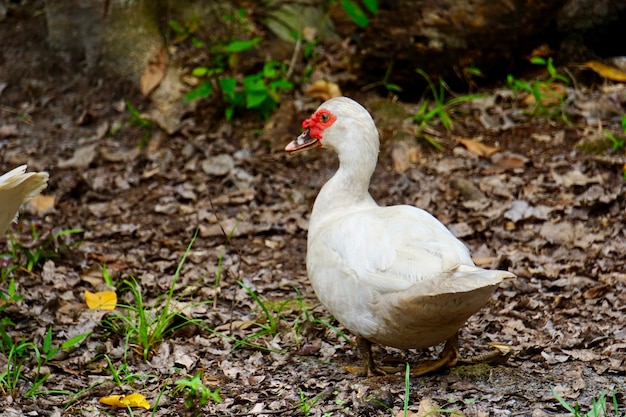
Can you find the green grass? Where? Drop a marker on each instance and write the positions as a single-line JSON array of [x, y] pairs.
[[14, 380], [355, 12], [544, 91], [598, 406], [123, 375], [146, 326], [274, 319], [306, 403], [137, 120], [196, 394], [437, 109], [271, 317], [32, 257]]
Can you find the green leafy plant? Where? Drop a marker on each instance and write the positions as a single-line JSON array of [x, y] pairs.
[[13, 373], [617, 143], [470, 74], [7, 298], [306, 318], [10, 296], [5, 272], [122, 375], [136, 119], [271, 317], [612, 141], [147, 327], [356, 13], [407, 389], [196, 393], [439, 109], [598, 406], [389, 86], [35, 255], [17, 355], [224, 57], [259, 91], [548, 93], [186, 30], [306, 403]]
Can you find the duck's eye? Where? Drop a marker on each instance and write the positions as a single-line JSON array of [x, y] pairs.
[[324, 117]]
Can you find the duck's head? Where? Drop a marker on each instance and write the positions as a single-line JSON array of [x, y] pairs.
[[340, 124]]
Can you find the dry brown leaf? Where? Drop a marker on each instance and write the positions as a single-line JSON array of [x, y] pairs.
[[323, 90], [427, 407], [399, 158], [82, 157], [235, 325], [509, 160], [478, 148], [9, 130], [309, 33], [575, 177], [550, 95], [41, 204], [542, 50], [596, 291], [154, 73], [408, 414], [607, 71]]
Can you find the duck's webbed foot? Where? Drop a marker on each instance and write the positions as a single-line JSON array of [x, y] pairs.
[[448, 358], [369, 366]]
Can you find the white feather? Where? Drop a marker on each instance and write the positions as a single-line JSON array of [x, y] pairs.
[[16, 188]]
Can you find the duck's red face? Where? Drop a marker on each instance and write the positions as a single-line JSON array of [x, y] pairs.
[[313, 132]]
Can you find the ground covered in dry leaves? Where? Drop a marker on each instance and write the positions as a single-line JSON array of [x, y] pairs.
[[529, 201]]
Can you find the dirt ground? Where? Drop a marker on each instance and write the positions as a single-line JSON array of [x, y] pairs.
[[539, 207]]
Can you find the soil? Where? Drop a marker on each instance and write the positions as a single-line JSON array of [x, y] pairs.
[[539, 206]]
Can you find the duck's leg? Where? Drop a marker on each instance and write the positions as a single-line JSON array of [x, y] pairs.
[[448, 358], [369, 366]]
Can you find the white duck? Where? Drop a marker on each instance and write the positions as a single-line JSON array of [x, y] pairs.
[[16, 188], [391, 275]]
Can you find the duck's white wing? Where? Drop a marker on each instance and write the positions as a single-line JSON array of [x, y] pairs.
[[392, 248]]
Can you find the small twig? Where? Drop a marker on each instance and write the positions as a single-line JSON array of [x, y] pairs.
[[294, 57]]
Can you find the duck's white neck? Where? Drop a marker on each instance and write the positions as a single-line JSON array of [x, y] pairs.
[[348, 189]]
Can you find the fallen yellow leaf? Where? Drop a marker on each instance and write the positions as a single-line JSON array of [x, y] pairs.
[[102, 300], [607, 71], [132, 400], [478, 148]]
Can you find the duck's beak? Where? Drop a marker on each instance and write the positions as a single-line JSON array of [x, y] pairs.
[[302, 142]]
